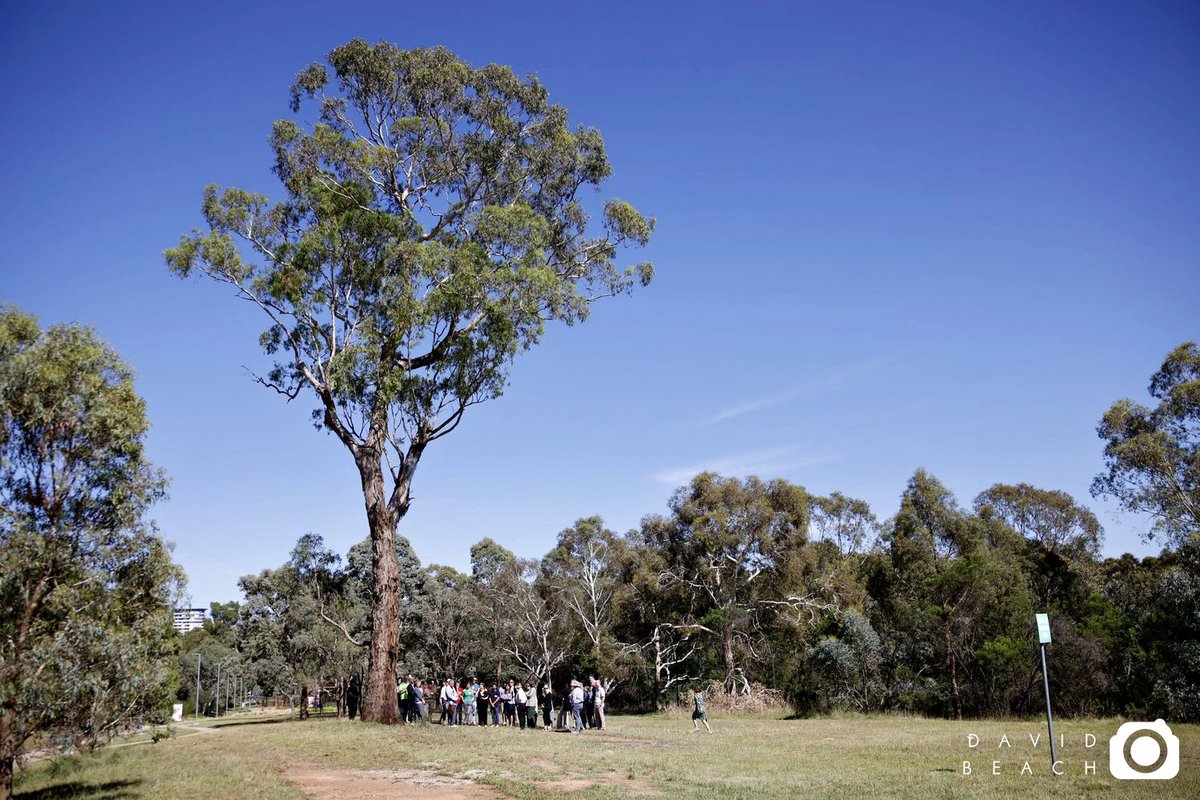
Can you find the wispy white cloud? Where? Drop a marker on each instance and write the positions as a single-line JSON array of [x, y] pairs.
[[764, 463], [753, 405], [838, 377]]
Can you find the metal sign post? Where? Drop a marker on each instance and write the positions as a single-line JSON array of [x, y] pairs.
[[1043, 623]]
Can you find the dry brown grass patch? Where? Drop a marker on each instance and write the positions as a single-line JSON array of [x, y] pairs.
[[627, 785], [397, 784]]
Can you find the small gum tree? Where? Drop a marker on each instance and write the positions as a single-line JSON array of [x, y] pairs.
[[86, 584], [432, 225]]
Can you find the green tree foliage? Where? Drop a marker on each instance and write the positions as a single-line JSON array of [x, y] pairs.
[[949, 588], [1151, 627], [433, 223], [222, 621], [847, 664], [517, 605], [492, 569], [216, 649], [730, 550], [356, 591], [451, 624], [219, 660], [582, 573], [936, 618], [658, 651], [1050, 518], [300, 624], [1061, 542], [756, 584], [86, 584], [845, 521], [1152, 455], [491, 562]]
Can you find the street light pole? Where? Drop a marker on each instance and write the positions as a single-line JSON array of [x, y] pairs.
[[217, 701], [197, 687]]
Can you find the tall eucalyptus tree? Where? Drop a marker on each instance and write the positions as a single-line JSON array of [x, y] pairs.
[[433, 224]]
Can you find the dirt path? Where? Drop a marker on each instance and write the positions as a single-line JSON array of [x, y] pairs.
[[326, 784], [183, 726]]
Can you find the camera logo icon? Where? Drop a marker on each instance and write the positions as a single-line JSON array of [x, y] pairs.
[[1144, 751]]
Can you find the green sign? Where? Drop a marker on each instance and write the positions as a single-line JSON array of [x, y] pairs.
[[1043, 622]]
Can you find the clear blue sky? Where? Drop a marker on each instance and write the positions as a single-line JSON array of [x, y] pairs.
[[947, 235]]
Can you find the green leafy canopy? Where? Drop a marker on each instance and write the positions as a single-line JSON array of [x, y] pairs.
[[86, 584], [1152, 455], [432, 225]]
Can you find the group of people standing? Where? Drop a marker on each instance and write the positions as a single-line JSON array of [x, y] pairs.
[[512, 704]]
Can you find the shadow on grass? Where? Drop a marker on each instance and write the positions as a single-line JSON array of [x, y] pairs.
[[80, 790], [269, 721]]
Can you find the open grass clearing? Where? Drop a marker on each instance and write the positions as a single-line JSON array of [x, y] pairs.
[[843, 757]]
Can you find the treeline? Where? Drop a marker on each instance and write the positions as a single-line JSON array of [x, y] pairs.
[[759, 584], [751, 582]]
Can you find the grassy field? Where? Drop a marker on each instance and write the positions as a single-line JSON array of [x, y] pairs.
[[752, 758]]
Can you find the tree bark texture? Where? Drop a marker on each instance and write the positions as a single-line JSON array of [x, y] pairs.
[[8, 752], [379, 701], [658, 668], [952, 663], [727, 657]]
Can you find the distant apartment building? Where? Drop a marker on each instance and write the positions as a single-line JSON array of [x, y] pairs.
[[189, 619]]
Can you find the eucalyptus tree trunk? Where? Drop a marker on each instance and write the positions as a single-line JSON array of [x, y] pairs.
[[379, 701], [658, 671], [952, 663], [362, 274], [8, 751], [728, 658]]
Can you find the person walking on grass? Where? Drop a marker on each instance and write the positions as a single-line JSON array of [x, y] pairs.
[[700, 714]]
